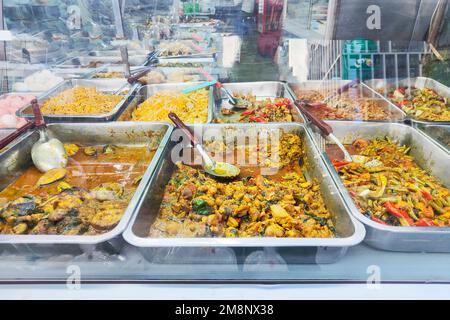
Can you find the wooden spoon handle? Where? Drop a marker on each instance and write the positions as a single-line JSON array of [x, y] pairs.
[[15, 134], [38, 118], [180, 124], [319, 123]]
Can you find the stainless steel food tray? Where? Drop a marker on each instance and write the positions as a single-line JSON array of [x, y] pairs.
[[204, 61], [107, 86], [116, 53], [144, 92], [110, 68], [83, 62], [261, 89], [165, 71], [303, 250], [420, 82], [18, 158], [71, 73], [196, 54], [427, 155], [438, 133], [327, 87]]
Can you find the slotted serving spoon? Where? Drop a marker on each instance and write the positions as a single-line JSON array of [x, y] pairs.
[[326, 129], [216, 169]]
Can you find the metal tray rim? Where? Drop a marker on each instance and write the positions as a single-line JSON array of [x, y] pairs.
[[408, 117], [116, 231], [436, 141], [356, 238], [139, 86], [366, 221], [403, 113], [71, 118], [288, 94]]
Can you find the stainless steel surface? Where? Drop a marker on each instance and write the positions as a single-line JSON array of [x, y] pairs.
[[5, 132], [326, 87], [427, 155], [144, 92], [438, 133], [107, 86], [261, 89], [419, 82], [18, 158], [349, 231]]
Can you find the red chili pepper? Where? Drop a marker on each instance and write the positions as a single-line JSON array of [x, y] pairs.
[[392, 208], [248, 112], [426, 195], [259, 119], [378, 220], [424, 222], [338, 164]]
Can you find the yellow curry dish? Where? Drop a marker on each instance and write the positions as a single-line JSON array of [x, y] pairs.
[[284, 204], [80, 101], [191, 107], [390, 188], [88, 197]]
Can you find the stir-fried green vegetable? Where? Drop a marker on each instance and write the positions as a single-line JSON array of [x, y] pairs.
[[422, 103], [390, 188]]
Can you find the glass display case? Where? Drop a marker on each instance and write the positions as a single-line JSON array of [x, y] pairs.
[[354, 112]]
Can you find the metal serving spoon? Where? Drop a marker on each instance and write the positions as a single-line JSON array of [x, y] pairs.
[[217, 169], [46, 153], [325, 128]]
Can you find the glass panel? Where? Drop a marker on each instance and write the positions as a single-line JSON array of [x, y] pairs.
[[369, 73]]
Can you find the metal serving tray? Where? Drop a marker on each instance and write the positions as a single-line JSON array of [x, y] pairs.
[[261, 89], [83, 62], [419, 82], [18, 158], [438, 133], [203, 61], [116, 53], [427, 155], [145, 92], [107, 86], [110, 68], [327, 87], [165, 71], [301, 250]]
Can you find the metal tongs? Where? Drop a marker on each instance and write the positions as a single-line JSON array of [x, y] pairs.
[[325, 128], [134, 78], [153, 56], [219, 85]]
